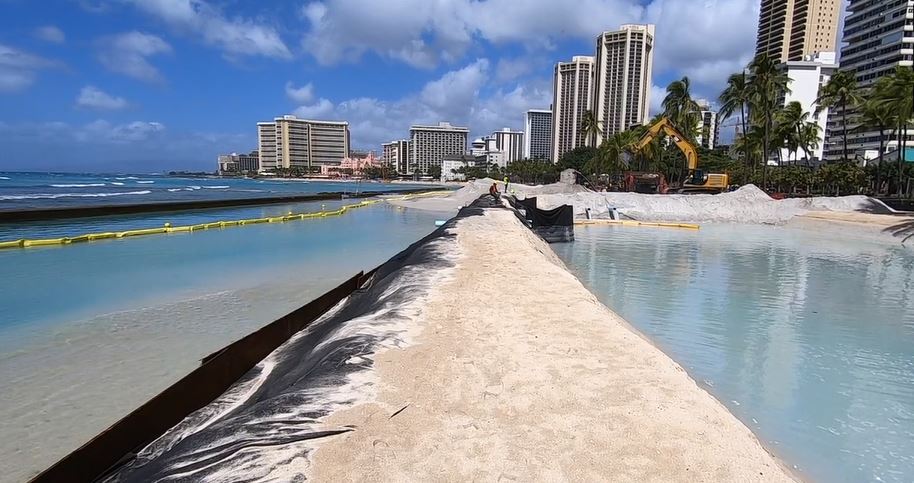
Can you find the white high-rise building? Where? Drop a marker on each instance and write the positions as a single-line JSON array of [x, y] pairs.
[[290, 142], [877, 39], [622, 78], [430, 144], [806, 79], [537, 134], [395, 155], [707, 125], [511, 143], [571, 98]]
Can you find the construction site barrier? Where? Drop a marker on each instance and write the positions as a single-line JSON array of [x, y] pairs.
[[688, 226], [168, 228]]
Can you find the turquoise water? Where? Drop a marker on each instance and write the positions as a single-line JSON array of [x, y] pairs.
[[90, 331], [807, 337], [60, 282]]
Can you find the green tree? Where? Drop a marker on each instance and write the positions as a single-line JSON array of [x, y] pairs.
[[840, 92], [768, 86], [876, 113], [435, 171], [612, 155], [680, 108], [591, 127], [735, 98], [577, 158], [795, 128], [896, 93]]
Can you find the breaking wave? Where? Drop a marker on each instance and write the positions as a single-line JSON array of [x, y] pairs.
[[77, 185], [52, 196]]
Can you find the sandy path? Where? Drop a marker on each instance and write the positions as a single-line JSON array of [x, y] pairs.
[[521, 374]]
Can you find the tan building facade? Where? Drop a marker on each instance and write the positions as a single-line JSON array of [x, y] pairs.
[[290, 142], [793, 30], [571, 98], [622, 78]]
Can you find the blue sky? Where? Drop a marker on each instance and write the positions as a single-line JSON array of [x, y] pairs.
[[152, 85]]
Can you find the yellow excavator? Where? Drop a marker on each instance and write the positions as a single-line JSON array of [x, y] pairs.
[[696, 181]]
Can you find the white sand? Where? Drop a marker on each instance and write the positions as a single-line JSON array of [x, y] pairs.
[[521, 374], [745, 205]]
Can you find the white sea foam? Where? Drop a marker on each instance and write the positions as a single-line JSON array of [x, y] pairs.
[[77, 185], [127, 177], [194, 187], [175, 189], [145, 182], [3, 177], [52, 196], [214, 187], [117, 183]]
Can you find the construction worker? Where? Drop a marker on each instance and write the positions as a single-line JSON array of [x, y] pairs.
[[506, 183], [493, 191]]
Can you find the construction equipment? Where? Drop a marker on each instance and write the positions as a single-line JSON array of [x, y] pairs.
[[697, 181], [645, 182]]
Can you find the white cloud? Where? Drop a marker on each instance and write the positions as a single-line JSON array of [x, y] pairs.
[[50, 33], [704, 39], [235, 37], [18, 69], [127, 54], [458, 96], [322, 109], [657, 95], [93, 98], [102, 131], [301, 95]]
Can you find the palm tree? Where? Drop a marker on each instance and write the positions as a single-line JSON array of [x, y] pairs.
[[840, 91], [880, 115], [896, 94], [768, 86], [591, 127], [680, 108], [735, 97], [809, 138], [611, 156], [791, 119]]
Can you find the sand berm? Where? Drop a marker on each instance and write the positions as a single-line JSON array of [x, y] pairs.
[[520, 374]]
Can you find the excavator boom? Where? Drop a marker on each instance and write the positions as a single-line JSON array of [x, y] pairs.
[[698, 181]]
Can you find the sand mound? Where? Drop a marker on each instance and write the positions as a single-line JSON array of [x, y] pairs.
[[749, 204]]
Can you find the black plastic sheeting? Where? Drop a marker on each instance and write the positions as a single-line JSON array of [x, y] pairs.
[[262, 427], [554, 226]]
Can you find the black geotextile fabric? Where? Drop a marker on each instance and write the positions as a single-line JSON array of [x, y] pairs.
[[261, 427], [561, 216]]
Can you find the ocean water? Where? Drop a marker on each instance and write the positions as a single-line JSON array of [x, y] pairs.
[[88, 332], [808, 338], [59, 190]]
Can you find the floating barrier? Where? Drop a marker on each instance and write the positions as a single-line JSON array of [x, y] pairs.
[[168, 228], [688, 226]]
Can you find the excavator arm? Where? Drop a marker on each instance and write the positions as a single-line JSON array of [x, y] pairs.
[[664, 125]]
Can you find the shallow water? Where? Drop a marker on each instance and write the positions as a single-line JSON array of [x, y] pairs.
[[807, 337], [90, 331]]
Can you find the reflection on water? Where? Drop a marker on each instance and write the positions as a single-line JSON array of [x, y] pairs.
[[808, 338]]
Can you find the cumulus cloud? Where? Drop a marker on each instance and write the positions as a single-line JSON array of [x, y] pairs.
[[102, 131], [18, 69], [50, 33], [94, 98], [704, 39], [460, 96], [301, 95], [236, 37], [657, 95], [127, 54]]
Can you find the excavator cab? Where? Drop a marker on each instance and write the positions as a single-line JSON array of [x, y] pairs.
[[697, 181]]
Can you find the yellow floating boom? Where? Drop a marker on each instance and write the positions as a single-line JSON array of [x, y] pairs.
[[168, 228], [689, 226]]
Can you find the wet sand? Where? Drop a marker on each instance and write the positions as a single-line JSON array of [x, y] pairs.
[[521, 374]]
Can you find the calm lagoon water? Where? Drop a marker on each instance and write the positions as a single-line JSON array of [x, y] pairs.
[[807, 337], [90, 331]]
